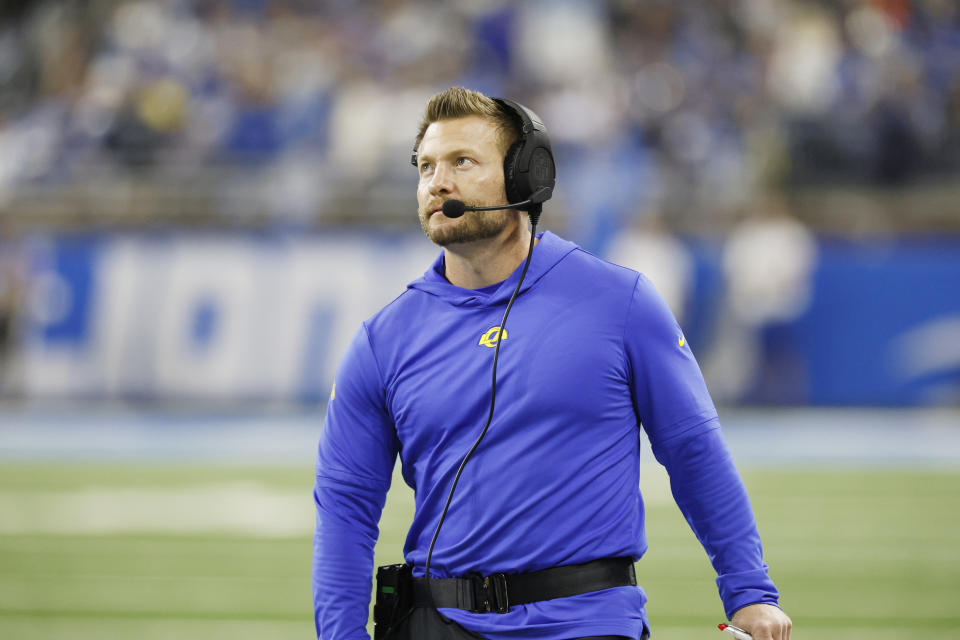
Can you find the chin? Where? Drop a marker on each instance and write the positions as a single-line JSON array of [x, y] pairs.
[[472, 227]]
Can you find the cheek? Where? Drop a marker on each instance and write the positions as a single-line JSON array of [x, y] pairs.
[[422, 194], [492, 183]]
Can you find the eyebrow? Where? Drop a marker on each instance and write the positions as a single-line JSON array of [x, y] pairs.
[[461, 151]]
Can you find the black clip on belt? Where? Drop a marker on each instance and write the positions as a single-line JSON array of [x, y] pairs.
[[496, 593]]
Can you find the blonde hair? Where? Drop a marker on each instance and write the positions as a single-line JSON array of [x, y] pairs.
[[458, 102]]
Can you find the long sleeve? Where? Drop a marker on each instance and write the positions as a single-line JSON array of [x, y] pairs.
[[355, 457], [678, 415]]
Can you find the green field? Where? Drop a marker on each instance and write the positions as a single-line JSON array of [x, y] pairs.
[[123, 551]]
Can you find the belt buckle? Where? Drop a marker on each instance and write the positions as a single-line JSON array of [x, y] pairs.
[[490, 594], [498, 587]]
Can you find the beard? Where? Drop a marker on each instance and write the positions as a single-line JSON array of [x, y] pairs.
[[470, 227]]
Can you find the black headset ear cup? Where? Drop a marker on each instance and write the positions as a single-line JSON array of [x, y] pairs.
[[528, 165]]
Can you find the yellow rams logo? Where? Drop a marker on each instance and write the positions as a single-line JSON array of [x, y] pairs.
[[489, 339]]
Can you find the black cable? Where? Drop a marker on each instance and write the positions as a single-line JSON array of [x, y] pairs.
[[395, 626], [534, 218]]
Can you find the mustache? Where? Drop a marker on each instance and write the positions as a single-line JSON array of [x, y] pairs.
[[437, 205]]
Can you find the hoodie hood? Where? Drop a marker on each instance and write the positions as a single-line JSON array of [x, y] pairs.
[[549, 251]]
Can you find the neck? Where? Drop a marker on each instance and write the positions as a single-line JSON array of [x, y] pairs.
[[473, 265]]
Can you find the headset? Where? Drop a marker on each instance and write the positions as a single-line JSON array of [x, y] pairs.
[[529, 172]]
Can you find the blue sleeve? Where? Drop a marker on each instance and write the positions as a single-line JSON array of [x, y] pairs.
[[355, 457], [678, 415]]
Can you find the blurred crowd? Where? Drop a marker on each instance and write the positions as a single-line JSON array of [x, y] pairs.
[[681, 114]]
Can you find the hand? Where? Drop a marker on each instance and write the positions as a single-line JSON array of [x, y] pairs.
[[763, 621]]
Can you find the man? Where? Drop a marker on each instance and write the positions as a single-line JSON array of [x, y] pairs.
[[540, 536]]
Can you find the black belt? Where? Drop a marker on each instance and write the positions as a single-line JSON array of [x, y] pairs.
[[498, 592]]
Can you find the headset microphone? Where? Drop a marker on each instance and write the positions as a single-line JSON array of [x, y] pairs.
[[456, 208]]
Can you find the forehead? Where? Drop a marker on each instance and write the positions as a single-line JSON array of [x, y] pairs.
[[473, 132]]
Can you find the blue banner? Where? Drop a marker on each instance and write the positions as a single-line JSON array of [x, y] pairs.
[[245, 317]]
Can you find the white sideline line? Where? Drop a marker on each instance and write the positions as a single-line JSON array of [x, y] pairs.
[[245, 509]]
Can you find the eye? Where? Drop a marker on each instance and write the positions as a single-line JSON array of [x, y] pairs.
[[464, 161], [425, 168]]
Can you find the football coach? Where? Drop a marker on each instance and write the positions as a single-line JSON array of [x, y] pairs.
[[512, 380]]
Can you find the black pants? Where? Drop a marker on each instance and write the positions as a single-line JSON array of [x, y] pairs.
[[425, 623]]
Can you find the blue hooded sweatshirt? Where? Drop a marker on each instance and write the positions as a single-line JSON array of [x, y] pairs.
[[590, 353]]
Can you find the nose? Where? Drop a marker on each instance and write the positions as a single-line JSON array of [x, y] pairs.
[[441, 182]]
